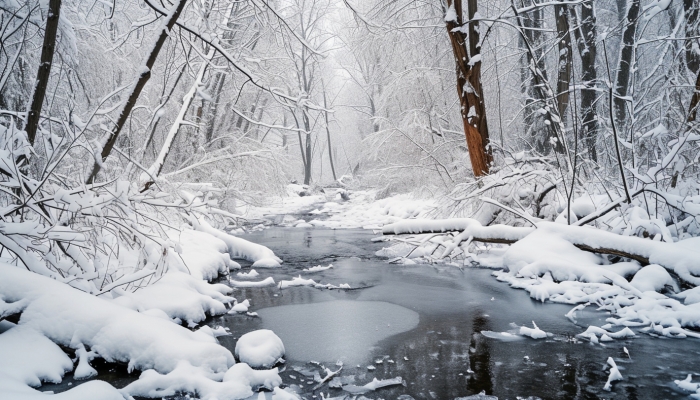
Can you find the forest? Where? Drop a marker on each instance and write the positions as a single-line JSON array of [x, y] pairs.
[[151, 151]]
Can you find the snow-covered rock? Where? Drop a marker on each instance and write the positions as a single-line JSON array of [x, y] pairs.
[[259, 349]]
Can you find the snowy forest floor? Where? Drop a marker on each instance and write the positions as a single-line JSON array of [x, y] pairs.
[[49, 327]]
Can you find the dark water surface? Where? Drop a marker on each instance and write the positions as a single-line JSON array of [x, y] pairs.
[[444, 356], [423, 323]]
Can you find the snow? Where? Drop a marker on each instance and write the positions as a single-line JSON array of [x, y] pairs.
[[261, 256], [318, 268], [204, 256], [189, 379], [70, 317], [259, 349], [614, 375], [29, 357], [689, 386], [240, 307], [299, 281], [248, 275], [374, 385], [180, 296], [535, 332], [242, 372], [653, 278], [269, 281]]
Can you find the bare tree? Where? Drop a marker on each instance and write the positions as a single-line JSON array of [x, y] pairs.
[[624, 65], [137, 87], [42, 76], [586, 39]]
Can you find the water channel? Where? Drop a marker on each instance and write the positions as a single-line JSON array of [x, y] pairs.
[[424, 323]]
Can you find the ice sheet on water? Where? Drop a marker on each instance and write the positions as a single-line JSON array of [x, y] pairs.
[[480, 396], [318, 268], [502, 336], [374, 385]]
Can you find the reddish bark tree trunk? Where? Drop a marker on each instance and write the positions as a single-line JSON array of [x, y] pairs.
[[465, 48]]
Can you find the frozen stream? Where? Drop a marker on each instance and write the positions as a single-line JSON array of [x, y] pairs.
[[446, 355], [423, 323]]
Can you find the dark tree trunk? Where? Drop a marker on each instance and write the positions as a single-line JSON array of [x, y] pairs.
[[42, 76], [692, 58], [565, 53], [586, 38], [624, 66], [471, 96], [141, 80]]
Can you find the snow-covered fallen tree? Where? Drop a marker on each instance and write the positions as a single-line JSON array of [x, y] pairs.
[[565, 263]]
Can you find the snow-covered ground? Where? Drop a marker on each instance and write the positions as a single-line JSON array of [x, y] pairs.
[[144, 322]]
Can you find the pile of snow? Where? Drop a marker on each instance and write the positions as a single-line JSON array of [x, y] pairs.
[[180, 296], [248, 275], [318, 268], [204, 255], [535, 332], [689, 386], [614, 375], [261, 256], [269, 281], [374, 385], [260, 349], [299, 281]]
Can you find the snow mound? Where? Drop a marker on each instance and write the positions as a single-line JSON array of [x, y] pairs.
[[204, 255], [614, 375], [29, 357], [267, 263], [535, 333], [237, 247], [68, 316], [248, 275], [374, 385], [318, 268], [93, 390], [265, 282], [653, 278], [242, 372], [185, 378], [259, 349], [180, 296]]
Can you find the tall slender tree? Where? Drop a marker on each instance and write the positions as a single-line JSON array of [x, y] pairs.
[[467, 52]]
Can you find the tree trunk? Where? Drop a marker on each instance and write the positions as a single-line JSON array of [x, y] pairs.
[[624, 66], [328, 133], [692, 58], [155, 169], [307, 163], [565, 53], [471, 96], [42, 76], [140, 82], [586, 37]]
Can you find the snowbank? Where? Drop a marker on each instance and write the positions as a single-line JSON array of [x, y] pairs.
[[261, 256], [70, 317], [204, 255], [180, 296]]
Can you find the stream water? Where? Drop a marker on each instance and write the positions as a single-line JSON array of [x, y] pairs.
[[424, 323]]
